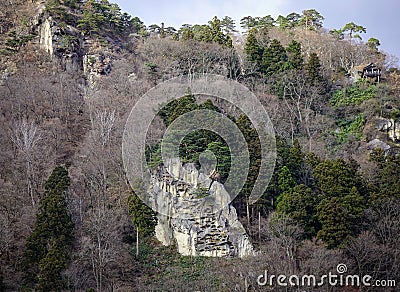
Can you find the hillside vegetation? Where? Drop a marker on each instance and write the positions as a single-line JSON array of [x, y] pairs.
[[71, 71]]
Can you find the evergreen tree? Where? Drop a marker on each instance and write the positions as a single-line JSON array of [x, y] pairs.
[[335, 178], [222, 153], [311, 19], [313, 69], [288, 22], [248, 22], [343, 199], [373, 44], [388, 175], [300, 205], [295, 160], [46, 251], [228, 25], [335, 229], [177, 107], [51, 267], [266, 22], [337, 34], [254, 147], [143, 218], [274, 58], [352, 28], [217, 34], [252, 48], [295, 58], [285, 180]]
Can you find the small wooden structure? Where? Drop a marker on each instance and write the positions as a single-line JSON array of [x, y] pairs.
[[371, 71]]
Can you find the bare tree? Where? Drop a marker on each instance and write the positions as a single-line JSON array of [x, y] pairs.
[[302, 99], [26, 137]]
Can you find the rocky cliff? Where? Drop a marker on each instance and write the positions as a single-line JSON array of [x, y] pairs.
[[390, 126], [196, 215], [74, 50]]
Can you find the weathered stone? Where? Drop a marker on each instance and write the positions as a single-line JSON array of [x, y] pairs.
[[200, 226], [391, 126], [376, 143], [46, 36]]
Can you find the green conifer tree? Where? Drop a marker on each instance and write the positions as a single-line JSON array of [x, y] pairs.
[[295, 58], [252, 48], [274, 58], [300, 205], [46, 248], [143, 218], [313, 69]]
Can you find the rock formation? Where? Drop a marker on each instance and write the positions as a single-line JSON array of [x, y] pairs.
[[391, 126], [196, 215], [74, 50]]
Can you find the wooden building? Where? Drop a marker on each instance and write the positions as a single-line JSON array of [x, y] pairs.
[[371, 72]]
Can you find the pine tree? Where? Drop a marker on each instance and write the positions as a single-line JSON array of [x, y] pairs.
[[311, 19], [52, 234], [217, 34]]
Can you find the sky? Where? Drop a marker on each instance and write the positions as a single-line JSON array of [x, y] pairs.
[[380, 18]]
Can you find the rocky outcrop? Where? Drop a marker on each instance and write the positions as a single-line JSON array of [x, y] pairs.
[[63, 43], [95, 65], [195, 214], [390, 126], [75, 51], [376, 143], [46, 36]]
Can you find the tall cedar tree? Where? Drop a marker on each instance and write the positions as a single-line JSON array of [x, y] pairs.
[[295, 58], [313, 69], [143, 218], [342, 203], [46, 251], [274, 58], [387, 176], [253, 49]]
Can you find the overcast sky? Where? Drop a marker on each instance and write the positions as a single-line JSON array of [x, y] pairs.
[[381, 18]]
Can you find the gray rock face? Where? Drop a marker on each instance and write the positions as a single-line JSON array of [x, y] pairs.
[[74, 51], [391, 126], [195, 213], [376, 143]]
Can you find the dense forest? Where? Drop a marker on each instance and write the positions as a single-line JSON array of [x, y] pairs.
[[72, 70]]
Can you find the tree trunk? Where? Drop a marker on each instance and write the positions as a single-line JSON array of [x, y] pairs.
[[137, 242], [259, 226], [248, 213]]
